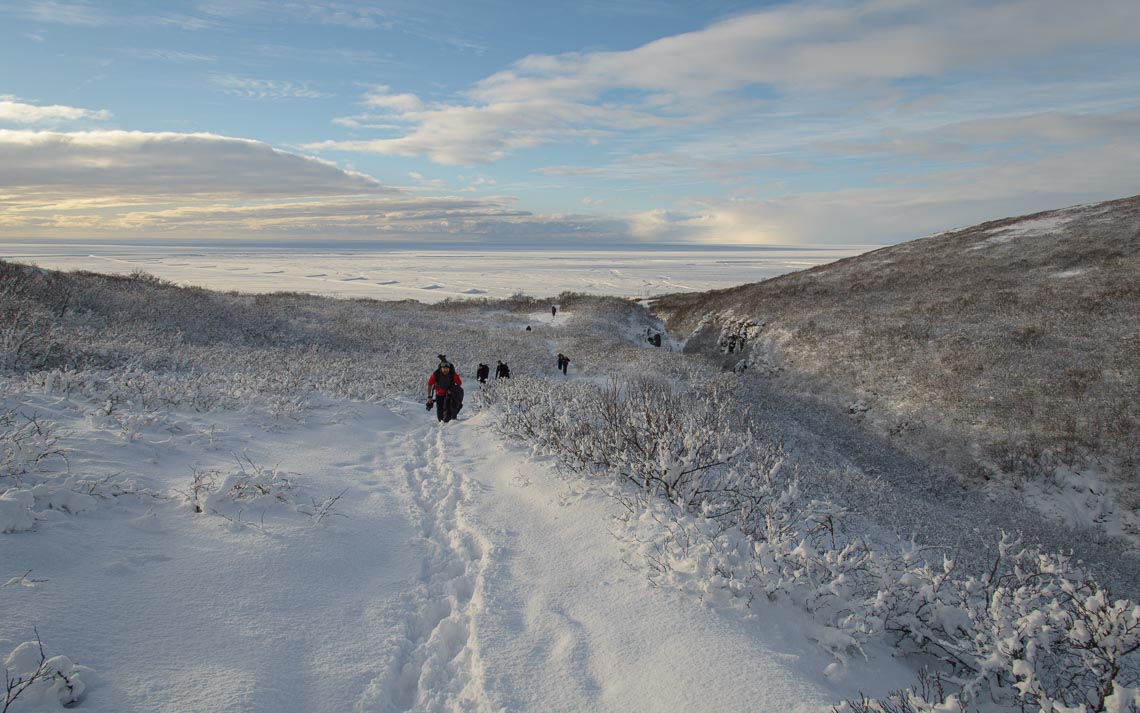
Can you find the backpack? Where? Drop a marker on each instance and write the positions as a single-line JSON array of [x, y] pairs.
[[454, 401]]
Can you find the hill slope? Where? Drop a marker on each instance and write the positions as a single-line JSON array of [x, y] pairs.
[[1008, 347]]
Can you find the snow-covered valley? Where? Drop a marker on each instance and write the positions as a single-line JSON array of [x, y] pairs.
[[239, 503], [451, 574]]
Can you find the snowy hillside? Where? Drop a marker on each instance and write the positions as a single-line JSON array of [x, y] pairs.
[[1004, 351], [228, 502]]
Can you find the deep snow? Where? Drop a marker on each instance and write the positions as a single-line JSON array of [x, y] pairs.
[[455, 574]]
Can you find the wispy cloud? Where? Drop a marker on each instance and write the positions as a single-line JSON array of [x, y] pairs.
[[345, 13], [747, 65], [65, 13], [249, 88], [14, 111], [164, 55]]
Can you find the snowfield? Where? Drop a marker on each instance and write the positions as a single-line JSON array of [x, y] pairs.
[[432, 275], [452, 573], [232, 502]]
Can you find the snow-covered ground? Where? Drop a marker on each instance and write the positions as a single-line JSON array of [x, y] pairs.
[[312, 540], [453, 573], [437, 274]]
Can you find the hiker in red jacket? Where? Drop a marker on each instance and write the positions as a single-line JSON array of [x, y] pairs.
[[445, 391]]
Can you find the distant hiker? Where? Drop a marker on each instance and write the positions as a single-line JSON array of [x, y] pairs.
[[528, 328], [444, 391], [553, 310], [563, 362], [502, 371], [482, 373]]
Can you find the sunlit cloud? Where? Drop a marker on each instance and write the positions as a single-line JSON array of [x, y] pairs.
[[382, 99], [14, 111], [44, 165], [909, 205], [748, 63], [134, 183]]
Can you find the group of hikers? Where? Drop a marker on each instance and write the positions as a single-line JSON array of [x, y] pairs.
[[445, 387], [502, 371]]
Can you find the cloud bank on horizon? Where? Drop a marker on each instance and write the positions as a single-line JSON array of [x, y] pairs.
[[863, 122]]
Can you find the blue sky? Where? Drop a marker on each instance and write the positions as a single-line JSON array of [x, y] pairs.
[[560, 123]]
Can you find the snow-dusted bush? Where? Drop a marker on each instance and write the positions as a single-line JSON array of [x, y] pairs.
[[16, 510], [251, 486], [1032, 631], [26, 441], [664, 439], [39, 680]]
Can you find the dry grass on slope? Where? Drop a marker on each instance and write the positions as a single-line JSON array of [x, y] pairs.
[[1020, 335]]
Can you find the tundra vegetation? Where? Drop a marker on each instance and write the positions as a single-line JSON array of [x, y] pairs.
[[1007, 349]]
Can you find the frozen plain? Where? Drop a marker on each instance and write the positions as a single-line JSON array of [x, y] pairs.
[[435, 273]]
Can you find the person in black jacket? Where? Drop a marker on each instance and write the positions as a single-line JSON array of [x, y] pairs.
[[502, 371], [482, 373]]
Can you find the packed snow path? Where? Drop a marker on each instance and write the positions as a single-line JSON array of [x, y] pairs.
[[525, 604], [459, 575]]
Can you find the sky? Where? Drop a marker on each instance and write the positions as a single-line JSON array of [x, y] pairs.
[[559, 124]]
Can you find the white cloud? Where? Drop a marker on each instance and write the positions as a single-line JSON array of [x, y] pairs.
[[382, 98], [133, 183], [698, 77], [911, 205], [106, 164], [13, 111]]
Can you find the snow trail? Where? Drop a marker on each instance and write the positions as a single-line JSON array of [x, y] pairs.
[[560, 622], [435, 668]]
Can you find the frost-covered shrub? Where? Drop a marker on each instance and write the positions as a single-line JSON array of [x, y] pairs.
[[16, 510], [39, 680], [907, 701], [25, 443], [251, 486], [665, 439], [1032, 631]]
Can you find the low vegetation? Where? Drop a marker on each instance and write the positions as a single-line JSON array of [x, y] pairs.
[[1009, 346]]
